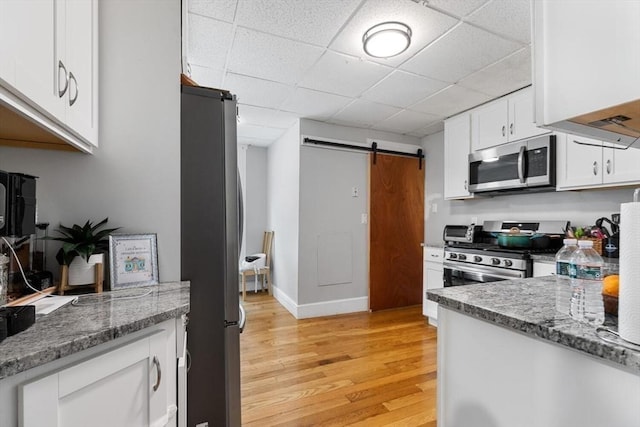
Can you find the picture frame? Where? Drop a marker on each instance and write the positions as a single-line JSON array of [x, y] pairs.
[[133, 260]]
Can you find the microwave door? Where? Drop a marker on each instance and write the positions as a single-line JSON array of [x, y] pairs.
[[499, 168]]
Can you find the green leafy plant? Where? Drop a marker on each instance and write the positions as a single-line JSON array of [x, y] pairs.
[[82, 241]]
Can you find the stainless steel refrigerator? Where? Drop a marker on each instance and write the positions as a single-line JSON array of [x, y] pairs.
[[210, 230]]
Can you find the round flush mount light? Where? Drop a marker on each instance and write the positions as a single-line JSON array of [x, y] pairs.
[[387, 39]]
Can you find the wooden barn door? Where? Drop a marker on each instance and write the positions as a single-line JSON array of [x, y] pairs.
[[396, 231]]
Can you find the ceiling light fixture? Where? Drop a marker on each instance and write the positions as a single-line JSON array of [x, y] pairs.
[[387, 39]]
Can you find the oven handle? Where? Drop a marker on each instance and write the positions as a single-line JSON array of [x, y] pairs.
[[478, 270]]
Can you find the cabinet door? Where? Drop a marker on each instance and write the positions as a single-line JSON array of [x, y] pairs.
[[490, 126], [521, 121], [81, 54], [541, 269], [621, 166], [457, 140], [579, 165], [28, 52]]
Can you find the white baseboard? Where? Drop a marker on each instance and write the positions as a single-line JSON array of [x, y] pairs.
[[318, 309]]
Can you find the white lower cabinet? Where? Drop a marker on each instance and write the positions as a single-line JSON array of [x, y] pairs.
[[131, 385], [542, 268], [432, 279]]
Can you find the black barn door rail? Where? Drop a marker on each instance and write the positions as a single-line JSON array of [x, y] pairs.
[[373, 149]]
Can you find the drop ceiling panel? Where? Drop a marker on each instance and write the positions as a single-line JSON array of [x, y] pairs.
[[429, 130], [364, 113], [509, 18], [270, 57], [209, 41], [402, 89], [426, 25], [506, 75], [259, 132], [315, 105], [223, 10], [458, 8], [459, 53], [405, 121], [343, 75], [258, 92], [265, 117], [209, 77], [314, 22], [450, 101]]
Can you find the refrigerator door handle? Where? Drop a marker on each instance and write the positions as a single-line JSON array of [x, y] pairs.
[[243, 317]]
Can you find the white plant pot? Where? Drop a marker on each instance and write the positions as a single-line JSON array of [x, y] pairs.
[[82, 272]]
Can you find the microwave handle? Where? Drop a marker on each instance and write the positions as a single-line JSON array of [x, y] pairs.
[[521, 177]]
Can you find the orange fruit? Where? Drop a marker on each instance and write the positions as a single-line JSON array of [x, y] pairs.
[[611, 285]]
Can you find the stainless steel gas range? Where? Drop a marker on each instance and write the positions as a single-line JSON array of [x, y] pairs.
[[472, 254]]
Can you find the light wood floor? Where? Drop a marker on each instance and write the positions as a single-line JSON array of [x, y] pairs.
[[363, 369]]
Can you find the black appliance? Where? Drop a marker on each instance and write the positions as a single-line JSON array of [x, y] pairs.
[[485, 261], [524, 165], [210, 228], [17, 204], [462, 233]]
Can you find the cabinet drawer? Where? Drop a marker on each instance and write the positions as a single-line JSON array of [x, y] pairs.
[[433, 254]]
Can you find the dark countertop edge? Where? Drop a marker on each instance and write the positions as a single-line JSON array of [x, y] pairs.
[[46, 355], [611, 353]]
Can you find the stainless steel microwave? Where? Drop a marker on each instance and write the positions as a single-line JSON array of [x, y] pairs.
[[522, 165]]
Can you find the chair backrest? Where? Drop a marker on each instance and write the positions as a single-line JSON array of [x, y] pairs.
[[266, 246]]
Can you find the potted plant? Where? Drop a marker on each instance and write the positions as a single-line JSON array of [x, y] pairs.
[[82, 248]]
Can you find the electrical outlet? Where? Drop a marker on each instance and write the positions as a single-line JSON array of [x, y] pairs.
[[354, 191], [364, 218], [434, 208]]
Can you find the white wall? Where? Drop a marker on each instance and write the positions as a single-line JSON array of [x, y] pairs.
[[134, 176], [283, 190], [580, 207], [256, 194]]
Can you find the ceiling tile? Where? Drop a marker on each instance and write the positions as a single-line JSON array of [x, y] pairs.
[[265, 117], [205, 76], [402, 89], [270, 57], [209, 41], [426, 25], [343, 75], [510, 18], [315, 22], [507, 75], [456, 7], [259, 132], [459, 53], [450, 101], [405, 121], [429, 129], [252, 91], [316, 105], [223, 10], [363, 113]]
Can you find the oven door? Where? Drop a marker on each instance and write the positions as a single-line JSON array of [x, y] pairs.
[[457, 274]]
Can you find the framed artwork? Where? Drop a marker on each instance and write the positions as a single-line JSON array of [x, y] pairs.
[[133, 260]]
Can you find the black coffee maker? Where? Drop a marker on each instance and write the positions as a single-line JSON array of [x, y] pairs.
[[611, 243]]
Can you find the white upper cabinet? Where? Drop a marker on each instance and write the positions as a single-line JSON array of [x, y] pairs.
[[49, 66], [457, 146], [595, 165], [586, 65], [507, 119]]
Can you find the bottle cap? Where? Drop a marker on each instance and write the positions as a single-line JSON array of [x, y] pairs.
[[585, 243], [572, 242]]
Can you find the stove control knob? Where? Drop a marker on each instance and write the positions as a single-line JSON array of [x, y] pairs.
[[477, 258], [453, 256], [462, 257], [508, 262], [495, 261]]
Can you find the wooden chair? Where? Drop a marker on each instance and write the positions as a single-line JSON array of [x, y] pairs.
[[264, 271]]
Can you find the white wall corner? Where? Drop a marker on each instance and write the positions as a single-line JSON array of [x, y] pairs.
[[319, 309], [285, 301]]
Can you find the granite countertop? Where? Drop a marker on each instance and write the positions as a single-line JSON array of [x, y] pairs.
[[93, 320], [528, 306]]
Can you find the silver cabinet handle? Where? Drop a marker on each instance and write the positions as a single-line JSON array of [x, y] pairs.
[[62, 91], [511, 129], [504, 130], [156, 362], [465, 184], [243, 318], [609, 167], [435, 256], [595, 168], [73, 100]]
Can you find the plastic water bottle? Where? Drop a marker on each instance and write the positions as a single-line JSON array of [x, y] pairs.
[[586, 274], [563, 285]]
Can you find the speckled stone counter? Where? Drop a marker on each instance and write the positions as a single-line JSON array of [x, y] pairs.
[[93, 320], [528, 306]]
